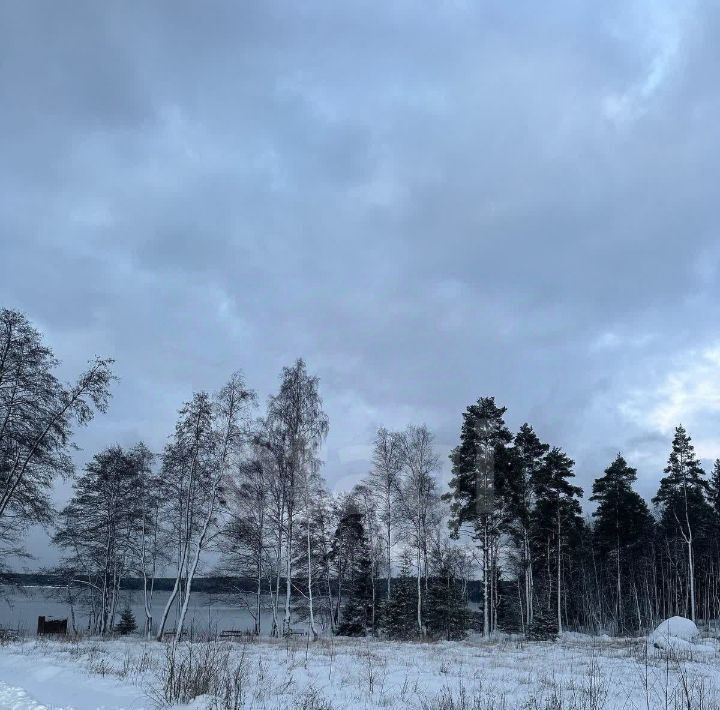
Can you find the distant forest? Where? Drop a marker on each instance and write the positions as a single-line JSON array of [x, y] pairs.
[[395, 556], [202, 584]]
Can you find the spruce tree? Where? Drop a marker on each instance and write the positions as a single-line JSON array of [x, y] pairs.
[[351, 547], [543, 626], [447, 614], [127, 624], [686, 514], [479, 464], [623, 525], [446, 610], [397, 618]]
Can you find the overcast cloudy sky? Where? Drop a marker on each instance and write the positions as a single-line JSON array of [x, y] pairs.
[[428, 201]]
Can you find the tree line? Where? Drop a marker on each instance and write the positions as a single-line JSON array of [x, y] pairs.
[[393, 556]]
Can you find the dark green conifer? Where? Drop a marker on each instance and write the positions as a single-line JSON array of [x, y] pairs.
[[687, 516], [477, 488], [556, 523], [398, 615], [351, 546], [127, 624], [623, 528]]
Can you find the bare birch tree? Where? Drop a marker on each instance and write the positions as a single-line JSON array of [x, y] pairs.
[[419, 501], [208, 438], [296, 427], [384, 483], [37, 414], [98, 527]]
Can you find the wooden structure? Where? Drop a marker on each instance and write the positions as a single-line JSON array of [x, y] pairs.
[[237, 634], [51, 626]]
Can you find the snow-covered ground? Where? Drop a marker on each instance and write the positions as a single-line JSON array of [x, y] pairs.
[[50, 675], [574, 673]]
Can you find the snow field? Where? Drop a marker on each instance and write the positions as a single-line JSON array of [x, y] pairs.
[[575, 673]]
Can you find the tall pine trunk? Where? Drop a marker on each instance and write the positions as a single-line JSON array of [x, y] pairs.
[[559, 575], [486, 599]]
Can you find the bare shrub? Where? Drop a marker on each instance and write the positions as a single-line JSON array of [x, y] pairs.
[[134, 666], [193, 670], [373, 670], [312, 700], [461, 699]]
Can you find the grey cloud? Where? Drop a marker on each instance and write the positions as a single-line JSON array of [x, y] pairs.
[[427, 205]]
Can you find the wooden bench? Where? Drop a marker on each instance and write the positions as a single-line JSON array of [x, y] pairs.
[[235, 633], [171, 634], [295, 632]]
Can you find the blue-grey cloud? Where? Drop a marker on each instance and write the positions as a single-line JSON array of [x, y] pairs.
[[427, 203]]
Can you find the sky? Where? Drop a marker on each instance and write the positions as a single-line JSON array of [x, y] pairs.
[[428, 202]]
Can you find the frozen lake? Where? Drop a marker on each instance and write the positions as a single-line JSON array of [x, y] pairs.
[[21, 606]]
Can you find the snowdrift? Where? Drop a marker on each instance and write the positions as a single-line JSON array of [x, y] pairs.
[[679, 634], [676, 627]]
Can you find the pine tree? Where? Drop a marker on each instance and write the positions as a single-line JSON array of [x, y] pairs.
[[686, 514], [526, 460], [477, 485], [557, 517], [127, 624], [623, 525]]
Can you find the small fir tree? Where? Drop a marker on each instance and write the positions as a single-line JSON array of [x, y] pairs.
[[397, 618], [543, 626], [127, 624], [398, 614], [447, 614]]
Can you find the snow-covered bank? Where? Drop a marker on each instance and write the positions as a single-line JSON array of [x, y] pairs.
[[575, 673], [12, 698], [36, 676]]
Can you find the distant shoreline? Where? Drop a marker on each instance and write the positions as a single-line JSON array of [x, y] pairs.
[[209, 585]]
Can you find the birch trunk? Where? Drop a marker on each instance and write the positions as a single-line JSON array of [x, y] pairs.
[[173, 594]]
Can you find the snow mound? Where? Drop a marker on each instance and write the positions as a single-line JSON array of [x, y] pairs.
[[680, 634], [672, 643], [677, 627]]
